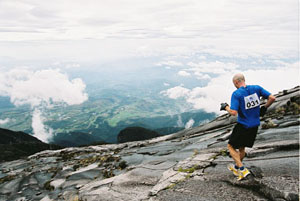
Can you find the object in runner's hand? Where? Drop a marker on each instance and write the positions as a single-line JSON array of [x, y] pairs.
[[263, 111], [223, 106]]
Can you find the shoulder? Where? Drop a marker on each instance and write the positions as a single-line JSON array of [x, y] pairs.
[[256, 88], [260, 91], [236, 93]]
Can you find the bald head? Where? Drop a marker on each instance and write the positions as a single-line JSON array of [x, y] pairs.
[[238, 77], [238, 80]]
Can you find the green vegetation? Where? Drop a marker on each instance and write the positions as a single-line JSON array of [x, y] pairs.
[[7, 178], [181, 180], [122, 165], [188, 170], [106, 113], [223, 152], [171, 186], [48, 187], [196, 152]]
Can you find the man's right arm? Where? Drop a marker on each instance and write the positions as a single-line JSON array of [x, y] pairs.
[[230, 111]]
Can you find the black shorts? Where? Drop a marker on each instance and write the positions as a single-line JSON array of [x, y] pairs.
[[242, 137]]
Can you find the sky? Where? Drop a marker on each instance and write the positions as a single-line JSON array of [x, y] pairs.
[[204, 40], [76, 30]]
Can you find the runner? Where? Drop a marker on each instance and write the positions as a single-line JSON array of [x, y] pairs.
[[245, 102]]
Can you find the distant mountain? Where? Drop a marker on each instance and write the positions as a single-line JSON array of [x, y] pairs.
[[168, 130], [15, 145], [162, 124], [12, 137], [75, 139], [135, 134]]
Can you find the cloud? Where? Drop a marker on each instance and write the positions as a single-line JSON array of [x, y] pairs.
[[216, 67], [220, 88], [284, 77], [43, 86], [227, 28], [202, 57], [184, 73], [40, 131], [169, 63], [179, 121], [4, 121], [202, 76], [41, 90], [64, 65], [189, 124], [176, 92]]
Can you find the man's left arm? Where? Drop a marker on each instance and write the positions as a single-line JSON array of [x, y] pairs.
[[270, 100]]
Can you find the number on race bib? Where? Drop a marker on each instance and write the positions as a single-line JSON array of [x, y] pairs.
[[251, 101]]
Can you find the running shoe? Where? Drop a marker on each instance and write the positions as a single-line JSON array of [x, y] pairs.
[[233, 169], [243, 173]]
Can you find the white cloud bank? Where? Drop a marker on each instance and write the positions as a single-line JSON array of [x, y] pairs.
[[169, 63], [41, 89], [40, 130], [216, 67], [176, 92], [183, 73], [220, 88], [4, 121], [189, 124], [44, 86]]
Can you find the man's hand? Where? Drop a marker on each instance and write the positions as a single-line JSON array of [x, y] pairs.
[[263, 111], [223, 106]]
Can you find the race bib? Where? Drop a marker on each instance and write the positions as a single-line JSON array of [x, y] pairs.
[[251, 101]]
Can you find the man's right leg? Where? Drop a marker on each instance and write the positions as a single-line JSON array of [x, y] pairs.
[[235, 155], [238, 157]]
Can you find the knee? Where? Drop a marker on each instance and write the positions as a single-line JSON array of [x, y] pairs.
[[230, 146]]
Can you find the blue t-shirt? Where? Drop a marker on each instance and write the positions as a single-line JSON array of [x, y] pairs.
[[246, 101]]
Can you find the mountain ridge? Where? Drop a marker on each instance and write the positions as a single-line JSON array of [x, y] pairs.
[[15, 145]]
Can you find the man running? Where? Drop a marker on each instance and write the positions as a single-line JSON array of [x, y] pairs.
[[245, 102]]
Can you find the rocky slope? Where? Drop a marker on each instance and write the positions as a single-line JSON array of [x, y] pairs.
[[188, 165]]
